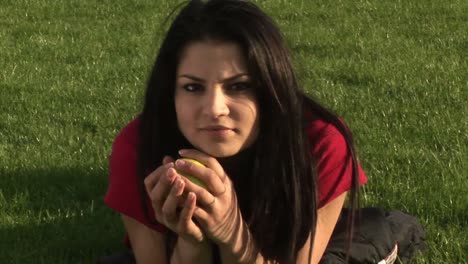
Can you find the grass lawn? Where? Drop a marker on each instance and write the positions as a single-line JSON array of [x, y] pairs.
[[72, 74]]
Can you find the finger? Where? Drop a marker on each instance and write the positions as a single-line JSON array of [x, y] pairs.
[[151, 180], [185, 220], [206, 175], [167, 159], [202, 216], [169, 207], [159, 193], [204, 197], [207, 160]]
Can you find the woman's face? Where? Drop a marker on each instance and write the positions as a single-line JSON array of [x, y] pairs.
[[215, 103]]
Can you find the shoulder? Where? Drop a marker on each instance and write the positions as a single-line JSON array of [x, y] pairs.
[[123, 193], [332, 159], [320, 131], [124, 148], [128, 136], [123, 160]]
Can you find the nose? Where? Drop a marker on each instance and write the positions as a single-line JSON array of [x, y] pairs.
[[215, 102]]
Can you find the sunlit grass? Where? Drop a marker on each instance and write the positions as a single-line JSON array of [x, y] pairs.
[[72, 73]]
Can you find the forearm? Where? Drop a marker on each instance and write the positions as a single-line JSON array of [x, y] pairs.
[[240, 249], [191, 252]]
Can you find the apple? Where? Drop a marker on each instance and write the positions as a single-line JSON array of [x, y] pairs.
[[191, 177]]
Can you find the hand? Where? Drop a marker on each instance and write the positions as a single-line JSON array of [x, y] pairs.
[[165, 189], [217, 210]]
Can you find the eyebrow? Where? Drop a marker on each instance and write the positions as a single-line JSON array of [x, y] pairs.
[[195, 78]]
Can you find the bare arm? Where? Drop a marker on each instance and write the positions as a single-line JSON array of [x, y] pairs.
[[149, 246], [187, 252], [327, 217], [242, 243], [221, 219]]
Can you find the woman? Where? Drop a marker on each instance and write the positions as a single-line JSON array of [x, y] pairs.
[[277, 165]]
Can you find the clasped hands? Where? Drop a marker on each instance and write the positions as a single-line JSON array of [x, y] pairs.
[[191, 211]]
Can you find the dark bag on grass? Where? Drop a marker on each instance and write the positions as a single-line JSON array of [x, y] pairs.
[[378, 238]]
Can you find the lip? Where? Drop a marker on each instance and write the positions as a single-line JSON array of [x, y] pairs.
[[217, 131], [216, 127]]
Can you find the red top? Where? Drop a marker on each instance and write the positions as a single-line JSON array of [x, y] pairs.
[[329, 149]]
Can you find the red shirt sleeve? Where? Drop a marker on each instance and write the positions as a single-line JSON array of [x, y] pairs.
[[122, 193], [332, 160]]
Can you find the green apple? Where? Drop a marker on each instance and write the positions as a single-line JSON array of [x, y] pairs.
[[193, 178]]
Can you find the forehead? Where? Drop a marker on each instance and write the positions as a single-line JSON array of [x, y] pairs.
[[206, 58]]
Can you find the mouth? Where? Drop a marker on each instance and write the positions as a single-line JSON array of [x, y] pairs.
[[217, 131], [215, 128]]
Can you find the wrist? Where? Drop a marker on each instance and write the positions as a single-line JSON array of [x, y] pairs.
[[187, 251], [240, 248], [194, 246]]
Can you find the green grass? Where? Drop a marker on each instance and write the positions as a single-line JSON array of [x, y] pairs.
[[72, 73]]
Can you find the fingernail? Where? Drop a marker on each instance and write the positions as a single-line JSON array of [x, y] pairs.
[[191, 196], [170, 174], [182, 151], [180, 162], [179, 182]]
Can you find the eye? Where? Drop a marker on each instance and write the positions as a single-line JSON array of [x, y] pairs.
[[239, 86], [192, 87]]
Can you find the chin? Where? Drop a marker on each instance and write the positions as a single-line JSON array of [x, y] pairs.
[[220, 152]]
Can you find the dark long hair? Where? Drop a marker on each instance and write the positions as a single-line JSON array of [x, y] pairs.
[[284, 213]]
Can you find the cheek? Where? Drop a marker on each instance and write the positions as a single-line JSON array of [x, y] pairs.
[[181, 111], [253, 113], [252, 118], [256, 127], [182, 100]]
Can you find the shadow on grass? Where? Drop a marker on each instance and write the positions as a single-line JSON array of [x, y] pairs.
[[56, 215]]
